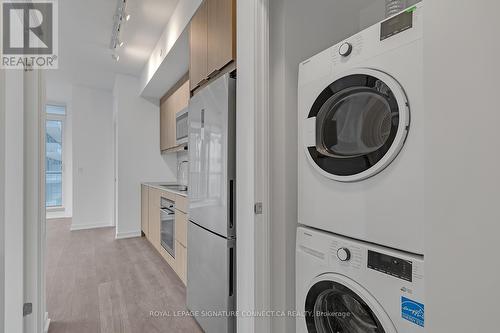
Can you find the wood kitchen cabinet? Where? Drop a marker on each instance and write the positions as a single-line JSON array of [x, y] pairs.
[[221, 32], [212, 40], [151, 226], [198, 68], [181, 221], [145, 210], [181, 261], [167, 126], [154, 217], [174, 101]]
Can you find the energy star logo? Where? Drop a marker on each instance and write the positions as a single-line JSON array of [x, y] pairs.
[[29, 34]]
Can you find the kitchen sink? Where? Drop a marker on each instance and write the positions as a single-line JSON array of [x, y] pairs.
[[180, 188]]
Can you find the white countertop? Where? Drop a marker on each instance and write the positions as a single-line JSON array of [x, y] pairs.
[[161, 186]]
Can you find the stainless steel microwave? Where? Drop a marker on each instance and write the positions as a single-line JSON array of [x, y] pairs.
[[181, 127]]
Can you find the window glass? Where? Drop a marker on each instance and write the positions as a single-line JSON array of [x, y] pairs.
[[53, 163], [56, 109]]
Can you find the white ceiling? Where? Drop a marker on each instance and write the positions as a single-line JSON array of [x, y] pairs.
[[85, 29]]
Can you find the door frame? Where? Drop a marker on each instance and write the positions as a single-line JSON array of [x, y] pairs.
[[34, 201], [2, 198], [12, 106], [252, 166]]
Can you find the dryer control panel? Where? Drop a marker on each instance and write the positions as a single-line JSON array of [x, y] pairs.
[[390, 265]]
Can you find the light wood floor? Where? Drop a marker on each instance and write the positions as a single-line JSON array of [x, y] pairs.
[[98, 284]]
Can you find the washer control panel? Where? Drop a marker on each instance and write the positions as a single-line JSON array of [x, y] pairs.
[[390, 265]]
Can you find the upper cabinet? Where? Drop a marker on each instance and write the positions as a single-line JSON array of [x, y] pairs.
[[212, 40], [221, 39], [198, 67], [174, 101]]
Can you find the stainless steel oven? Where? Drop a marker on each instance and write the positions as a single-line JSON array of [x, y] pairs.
[[181, 127], [167, 217]]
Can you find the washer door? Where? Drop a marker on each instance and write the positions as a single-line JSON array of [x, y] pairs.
[[360, 122], [335, 304]]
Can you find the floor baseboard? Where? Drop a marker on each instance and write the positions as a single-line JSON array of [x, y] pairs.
[[90, 226], [47, 323], [130, 234]]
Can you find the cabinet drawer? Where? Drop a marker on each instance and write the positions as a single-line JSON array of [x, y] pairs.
[[181, 227], [181, 203]]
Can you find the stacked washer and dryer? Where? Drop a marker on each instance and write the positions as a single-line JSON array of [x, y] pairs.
[[359, 256]]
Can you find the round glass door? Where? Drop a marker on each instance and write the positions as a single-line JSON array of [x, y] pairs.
[[362, 121], [331, 307]]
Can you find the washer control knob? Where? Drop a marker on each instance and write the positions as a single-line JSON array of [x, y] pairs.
[[345, 49], [343, 254]]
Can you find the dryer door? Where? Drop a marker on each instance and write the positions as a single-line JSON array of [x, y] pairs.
[[335, 305], [360, 122]]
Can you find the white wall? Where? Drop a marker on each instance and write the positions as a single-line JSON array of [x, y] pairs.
[[299, 30], [60, 92], [461, 86], [93, 176], [176, 27], [138, 152]]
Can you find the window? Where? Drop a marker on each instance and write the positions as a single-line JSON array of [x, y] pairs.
[[54, 126]]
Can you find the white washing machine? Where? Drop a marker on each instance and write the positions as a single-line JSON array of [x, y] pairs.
[[349, 286], [361, 135]]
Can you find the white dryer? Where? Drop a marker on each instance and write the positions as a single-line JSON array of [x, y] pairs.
[[361, 135], [348, 286]]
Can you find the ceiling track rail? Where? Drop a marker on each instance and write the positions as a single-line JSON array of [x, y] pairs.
[[118, 19]]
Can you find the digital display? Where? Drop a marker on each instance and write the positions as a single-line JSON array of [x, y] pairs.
[[396, 24], [389, 265]]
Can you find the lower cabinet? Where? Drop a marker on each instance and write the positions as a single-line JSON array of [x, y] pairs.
[[154, 225], [145, 210], [181, 261], [151, 226], [181, 222]]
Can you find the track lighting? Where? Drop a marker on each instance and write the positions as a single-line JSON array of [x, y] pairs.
[[119, 19], [115, 57]]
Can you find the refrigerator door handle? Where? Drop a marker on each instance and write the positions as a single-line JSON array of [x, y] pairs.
[[231, 204], [202, 130], [232, 268]]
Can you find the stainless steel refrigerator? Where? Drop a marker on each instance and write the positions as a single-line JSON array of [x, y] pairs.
[[211, 271]]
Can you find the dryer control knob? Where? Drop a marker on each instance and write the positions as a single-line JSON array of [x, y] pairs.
[[345, 49], [343, 254]]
